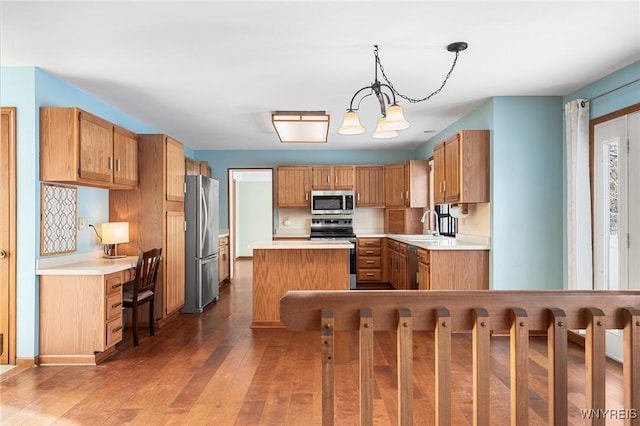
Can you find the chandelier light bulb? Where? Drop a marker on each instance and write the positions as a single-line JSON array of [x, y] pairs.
[[351, 124], [395, 119], [381, 132]]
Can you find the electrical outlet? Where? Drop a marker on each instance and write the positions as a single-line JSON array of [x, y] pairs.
[[80, 223]]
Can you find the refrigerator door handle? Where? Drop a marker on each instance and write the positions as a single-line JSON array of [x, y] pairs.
[[203, 200]]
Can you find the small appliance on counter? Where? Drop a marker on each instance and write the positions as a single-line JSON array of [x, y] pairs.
[[336, 228], [201, 243]]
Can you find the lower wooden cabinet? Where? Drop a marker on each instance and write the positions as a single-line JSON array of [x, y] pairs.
[[369, 260], [223, 259], [397, 268], [80, 317], [453, 269]]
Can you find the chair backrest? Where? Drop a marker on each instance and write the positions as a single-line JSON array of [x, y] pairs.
[[146, 271]]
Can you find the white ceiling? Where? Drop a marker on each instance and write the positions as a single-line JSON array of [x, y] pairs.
[[210, 73]]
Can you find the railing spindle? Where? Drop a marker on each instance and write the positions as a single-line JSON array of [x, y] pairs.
[[519, 338], [481, 367], [443, 367], [595, 363], [631, 365], [366, 367], [557, 370], [405, 367], [328, 387]]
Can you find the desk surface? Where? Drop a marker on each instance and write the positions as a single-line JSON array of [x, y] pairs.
[[99, 266]]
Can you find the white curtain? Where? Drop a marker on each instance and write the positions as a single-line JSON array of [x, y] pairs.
[[579, 256]]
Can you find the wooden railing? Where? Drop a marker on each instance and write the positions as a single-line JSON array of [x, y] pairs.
[[482, 313]]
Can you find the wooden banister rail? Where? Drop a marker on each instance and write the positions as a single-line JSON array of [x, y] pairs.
[[481, 313]]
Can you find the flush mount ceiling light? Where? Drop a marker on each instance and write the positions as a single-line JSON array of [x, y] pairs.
[[301, 126], [392, 117]]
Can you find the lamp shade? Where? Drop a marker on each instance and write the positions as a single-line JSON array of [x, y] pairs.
[[382, 133], [301, 127], [395, 118], [351, 124], [115, 232]]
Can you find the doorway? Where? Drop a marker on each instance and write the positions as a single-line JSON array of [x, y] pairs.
[[250, 210], [8, 237], [616, 222]]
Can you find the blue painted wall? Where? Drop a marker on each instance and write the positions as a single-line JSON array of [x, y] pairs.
[[526, 188]]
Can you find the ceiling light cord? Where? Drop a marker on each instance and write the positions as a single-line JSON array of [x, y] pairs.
[[453, 47]]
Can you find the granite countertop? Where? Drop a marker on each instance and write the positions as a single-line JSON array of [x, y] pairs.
[[439, 243]]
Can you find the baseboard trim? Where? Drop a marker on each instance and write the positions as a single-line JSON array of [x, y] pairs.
[[27, 362]]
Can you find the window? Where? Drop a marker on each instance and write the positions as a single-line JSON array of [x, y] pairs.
[[448, 224]]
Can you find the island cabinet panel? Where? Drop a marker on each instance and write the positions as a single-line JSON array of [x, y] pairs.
[[293, 186], [461, 168], [155, 219], [369, 186], [80, 317], [80, 148], [277, 271]]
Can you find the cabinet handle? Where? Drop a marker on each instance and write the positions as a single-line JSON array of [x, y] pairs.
[[110, 163], [117, 165], [115, 330], [407, 195], [401, 193], [369, 274], [336, 180], [369, 243], [369, 262], [444, 185], [116, 285], [328, 181], [369, 252], [115, 305], [358, 196], [306, 196]]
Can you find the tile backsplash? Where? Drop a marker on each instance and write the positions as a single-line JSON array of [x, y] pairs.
[[293, 221]]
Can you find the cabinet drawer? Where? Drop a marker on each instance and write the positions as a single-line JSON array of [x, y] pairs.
[[369, 275], [114, 306], [392, 245], [114, 332], [423, 256], [369, 251], [223, 241], [113, 283], [128, 275], [369, 262], [369, 242]]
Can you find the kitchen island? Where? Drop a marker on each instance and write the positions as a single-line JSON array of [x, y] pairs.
[[280, 266]]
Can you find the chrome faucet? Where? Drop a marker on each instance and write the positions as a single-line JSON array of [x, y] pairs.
[[424, 216]]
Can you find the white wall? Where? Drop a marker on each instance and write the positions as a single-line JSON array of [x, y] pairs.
[[254, 214]]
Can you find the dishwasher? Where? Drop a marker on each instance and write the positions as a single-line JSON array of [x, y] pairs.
[[412, 268]]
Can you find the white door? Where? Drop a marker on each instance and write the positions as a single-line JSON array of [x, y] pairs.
[[616, 205]]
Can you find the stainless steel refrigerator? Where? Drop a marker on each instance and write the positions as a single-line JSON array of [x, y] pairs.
[[201, 243]]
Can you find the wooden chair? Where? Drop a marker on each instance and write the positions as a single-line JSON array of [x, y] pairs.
[[142, 288]]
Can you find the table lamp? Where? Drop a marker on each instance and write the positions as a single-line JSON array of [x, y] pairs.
[[114, 233]]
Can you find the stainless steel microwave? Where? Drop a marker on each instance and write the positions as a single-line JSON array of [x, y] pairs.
[[332, 202]]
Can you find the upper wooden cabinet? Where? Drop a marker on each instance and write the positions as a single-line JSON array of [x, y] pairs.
[[369, 186], [461, 168], [293, 186], [195, 167], [205, 169], [405, 184], [332, 177], [80, 148], [174, 166]]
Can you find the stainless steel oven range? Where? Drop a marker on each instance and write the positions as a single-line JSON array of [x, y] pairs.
[[337, 228]]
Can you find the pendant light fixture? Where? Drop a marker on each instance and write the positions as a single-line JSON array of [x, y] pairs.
[[392, 117]]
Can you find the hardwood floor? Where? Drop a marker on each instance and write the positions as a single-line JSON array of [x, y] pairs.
[[212, 369]]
